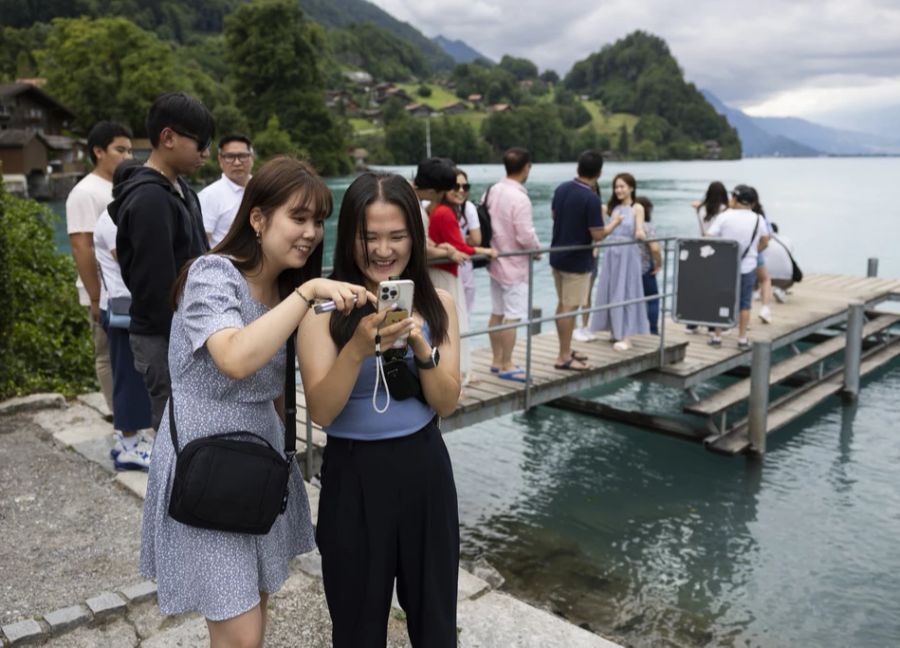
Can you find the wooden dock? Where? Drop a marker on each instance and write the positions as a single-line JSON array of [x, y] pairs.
[[493, 396], [818, 304]]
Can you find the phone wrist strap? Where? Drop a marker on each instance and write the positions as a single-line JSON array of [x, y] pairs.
[[379, 378]]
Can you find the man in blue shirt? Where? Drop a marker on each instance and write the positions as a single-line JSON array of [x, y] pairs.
[[577, 220]]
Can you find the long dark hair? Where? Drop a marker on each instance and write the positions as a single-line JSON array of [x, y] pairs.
[[367, 189], [715, 199], [276, 183], [460, 210], [615, 202]]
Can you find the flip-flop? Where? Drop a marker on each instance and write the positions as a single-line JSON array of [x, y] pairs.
[[495, 370], [567, 366], [579, 356], [517, 374]]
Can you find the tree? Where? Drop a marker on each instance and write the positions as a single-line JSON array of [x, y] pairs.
[[272, 51], [550, 76], [44, 334], [622, 145], [274, 140], [520, 68], [108, 68]]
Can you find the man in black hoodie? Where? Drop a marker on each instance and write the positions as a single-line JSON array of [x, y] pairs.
[[160, 228]]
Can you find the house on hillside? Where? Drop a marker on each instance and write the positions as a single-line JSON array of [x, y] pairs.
[[499, 107], [419, 110], [31, 136], [475, 100], [713, 150], [454, 108], [359, 77]]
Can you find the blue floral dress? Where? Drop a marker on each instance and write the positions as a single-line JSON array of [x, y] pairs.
[[215, 573]]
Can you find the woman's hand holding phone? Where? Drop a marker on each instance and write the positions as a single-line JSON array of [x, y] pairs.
[[346, 296], [363, 340]]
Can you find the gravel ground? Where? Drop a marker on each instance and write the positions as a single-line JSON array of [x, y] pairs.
[[68, 530]]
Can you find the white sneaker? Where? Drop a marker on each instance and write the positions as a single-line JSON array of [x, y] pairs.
[[622, 345], [765, 315], [583, 335], [779, 294], [138, 458]]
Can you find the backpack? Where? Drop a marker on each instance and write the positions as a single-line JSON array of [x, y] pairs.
[[484, 222]]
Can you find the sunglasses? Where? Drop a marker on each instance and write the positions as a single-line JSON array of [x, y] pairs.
[[201, 145], [463, 187]]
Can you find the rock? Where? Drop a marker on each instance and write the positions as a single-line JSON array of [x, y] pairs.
[[106, 604], [32, 403], [24, 632], [482, 569], [66, 618], [140, 592]]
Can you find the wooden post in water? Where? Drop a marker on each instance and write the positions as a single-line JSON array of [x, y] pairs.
[[853, 350], [759, 395], [872, 270]]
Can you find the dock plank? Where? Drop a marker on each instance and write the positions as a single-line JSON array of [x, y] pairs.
[[740, 391]]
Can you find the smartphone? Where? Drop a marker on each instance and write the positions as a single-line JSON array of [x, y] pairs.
[[399, 292]]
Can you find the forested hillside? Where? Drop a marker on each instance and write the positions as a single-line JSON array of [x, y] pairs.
[[639, 75], [290, 73]]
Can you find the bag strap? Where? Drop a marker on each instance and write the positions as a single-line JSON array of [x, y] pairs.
[[290, 398], [290, 405], [752, 237]]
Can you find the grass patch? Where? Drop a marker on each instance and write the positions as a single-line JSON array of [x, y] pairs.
[[608, 124], [439, 98]]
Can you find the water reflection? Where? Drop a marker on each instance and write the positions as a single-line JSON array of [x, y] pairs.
[[624, 533]]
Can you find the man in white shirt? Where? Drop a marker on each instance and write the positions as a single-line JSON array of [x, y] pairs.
[[108, 144], [219, 201], [740, 223]]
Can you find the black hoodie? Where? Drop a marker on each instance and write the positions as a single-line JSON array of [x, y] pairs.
[[158, 232]]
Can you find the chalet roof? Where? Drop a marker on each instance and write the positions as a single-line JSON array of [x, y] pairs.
[[455, 104], [58, 142], [15, 89], [15, 137]]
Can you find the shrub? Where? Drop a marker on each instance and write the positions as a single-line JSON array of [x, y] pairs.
[[45, 342]]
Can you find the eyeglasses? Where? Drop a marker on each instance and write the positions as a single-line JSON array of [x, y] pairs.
[[231, 158], [201, 145], [463, 187]]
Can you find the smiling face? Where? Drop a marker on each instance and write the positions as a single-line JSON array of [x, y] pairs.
[[388, 243], [289, 236], [623, 191], [458, 195]]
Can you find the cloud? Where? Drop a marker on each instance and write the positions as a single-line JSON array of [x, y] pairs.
[[765, 56]]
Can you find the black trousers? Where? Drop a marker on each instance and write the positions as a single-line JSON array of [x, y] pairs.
[[388, 510]]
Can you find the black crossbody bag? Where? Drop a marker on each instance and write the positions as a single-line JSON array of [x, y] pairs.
[[230, 484]]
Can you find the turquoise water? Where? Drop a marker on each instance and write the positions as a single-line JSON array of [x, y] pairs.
[[656, 542]]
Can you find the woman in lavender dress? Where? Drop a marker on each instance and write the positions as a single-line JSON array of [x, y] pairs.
[[620, 270]]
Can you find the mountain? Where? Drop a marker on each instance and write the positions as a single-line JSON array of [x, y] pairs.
[[755, 140], [639, 75], [832, 141], [795, 137], [343, 13], [459, 50]]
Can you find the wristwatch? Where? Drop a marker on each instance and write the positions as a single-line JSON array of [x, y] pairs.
[[432, 362]]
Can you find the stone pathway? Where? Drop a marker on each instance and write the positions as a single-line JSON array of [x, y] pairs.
[[71, 533]]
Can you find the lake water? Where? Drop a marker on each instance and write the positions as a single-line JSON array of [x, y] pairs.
[[653, 541]]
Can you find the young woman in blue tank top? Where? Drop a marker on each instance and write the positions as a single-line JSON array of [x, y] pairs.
[[388, 506]]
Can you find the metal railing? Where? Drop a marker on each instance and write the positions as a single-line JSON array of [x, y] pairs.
[[528, 323]]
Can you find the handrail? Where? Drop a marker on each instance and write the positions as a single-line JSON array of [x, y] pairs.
[[662, 296]]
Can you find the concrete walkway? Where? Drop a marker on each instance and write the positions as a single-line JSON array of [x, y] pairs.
[[71, 537]]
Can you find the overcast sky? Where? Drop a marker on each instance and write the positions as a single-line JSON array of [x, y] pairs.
[[835, 61]]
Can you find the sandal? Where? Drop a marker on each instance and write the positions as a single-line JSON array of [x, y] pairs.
[[579, 356], [567, 366]]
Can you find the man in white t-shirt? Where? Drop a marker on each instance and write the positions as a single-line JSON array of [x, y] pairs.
[[108, 144], [220, 201], [740, 223]]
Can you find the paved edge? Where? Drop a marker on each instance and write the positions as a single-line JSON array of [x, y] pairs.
[[107, 605]]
